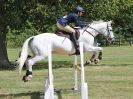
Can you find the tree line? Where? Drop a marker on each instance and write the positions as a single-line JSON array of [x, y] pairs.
[[20, 19], [31, 17]]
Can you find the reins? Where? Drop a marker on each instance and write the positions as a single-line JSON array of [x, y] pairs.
[[85, 30], [88, 26]]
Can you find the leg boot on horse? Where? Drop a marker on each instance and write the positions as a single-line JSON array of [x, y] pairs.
[[28, 76]]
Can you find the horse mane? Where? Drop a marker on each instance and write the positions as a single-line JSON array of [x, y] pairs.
[[96, 22], [93, 23]]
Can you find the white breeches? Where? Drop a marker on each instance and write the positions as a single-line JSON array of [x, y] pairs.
[[66, 28]]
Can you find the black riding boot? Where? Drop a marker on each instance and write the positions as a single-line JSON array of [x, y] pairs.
[[75, 42]]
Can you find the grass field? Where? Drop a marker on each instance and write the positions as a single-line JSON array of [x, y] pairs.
[[112, 78]]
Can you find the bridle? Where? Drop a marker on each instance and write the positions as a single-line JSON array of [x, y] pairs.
[[88, 26], [108, 30]]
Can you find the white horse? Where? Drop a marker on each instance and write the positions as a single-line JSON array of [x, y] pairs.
[[61, 45]]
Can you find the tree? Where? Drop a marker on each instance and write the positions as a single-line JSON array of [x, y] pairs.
[[3, 49]]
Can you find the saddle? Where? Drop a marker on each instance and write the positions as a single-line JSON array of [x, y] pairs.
[[66, 34]]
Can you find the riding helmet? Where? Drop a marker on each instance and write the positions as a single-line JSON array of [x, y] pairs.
[[79, 9]]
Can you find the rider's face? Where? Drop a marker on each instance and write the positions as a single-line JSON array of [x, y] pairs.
[[80, 13]]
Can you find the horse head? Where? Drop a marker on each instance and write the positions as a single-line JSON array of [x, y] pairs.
[[101, 27], [109, 32]]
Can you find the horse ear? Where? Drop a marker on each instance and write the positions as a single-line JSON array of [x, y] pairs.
[[110, 22]]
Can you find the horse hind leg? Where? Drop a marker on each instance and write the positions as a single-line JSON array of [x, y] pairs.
[[29, 63]]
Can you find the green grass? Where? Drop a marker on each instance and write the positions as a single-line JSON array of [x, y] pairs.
[[112, 78]]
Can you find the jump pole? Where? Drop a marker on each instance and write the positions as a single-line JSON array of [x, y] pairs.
[[75, 74], [49, 86], [84, 86]]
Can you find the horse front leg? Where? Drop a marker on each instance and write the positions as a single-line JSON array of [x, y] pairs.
[[97, 55], [100, 55], [92, 59], [97, 59]]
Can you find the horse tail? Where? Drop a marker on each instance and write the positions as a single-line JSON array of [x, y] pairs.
[[23, 54]]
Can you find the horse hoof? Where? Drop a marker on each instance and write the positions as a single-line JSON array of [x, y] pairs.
[[100, 58], [96, 61], [74, 89], [26, 78], [88, 62]]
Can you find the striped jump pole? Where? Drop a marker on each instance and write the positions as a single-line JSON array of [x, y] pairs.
[[49, 86], [84, 86]]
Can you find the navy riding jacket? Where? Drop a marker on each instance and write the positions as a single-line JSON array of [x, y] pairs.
[[70, 18]]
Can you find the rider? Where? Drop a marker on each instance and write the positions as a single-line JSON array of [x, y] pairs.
[[63, 24]]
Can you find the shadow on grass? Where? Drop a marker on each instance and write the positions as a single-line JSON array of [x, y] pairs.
[[37, 95], [32, 95], [58, 64], [43, 65]]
